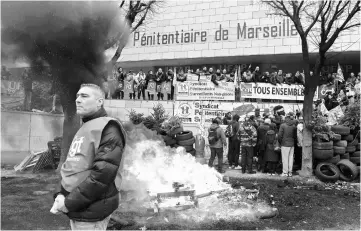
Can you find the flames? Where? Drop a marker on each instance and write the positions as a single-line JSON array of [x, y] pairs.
[[151, 166]]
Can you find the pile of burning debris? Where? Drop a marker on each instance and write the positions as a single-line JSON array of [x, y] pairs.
[[185, 205]]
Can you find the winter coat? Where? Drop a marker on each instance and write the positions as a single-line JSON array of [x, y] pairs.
[[235, 128], [214, 79], [257, 76], [222, 141], [270, 154], [280, 79], [248, 135], [181, 77], [149, 77], [287, 134], [289, 80], [219, 77], [97, 196], [261, 136]]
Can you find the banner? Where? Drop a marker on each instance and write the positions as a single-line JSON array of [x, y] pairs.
[[151, 87], [270, 91], [205, 90], [323, 89], [12, 88], [12, 94], [205, 111]]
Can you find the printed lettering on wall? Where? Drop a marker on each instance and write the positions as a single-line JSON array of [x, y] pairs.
[[283, 28]]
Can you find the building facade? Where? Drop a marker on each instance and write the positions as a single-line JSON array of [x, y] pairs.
[[221, 34]]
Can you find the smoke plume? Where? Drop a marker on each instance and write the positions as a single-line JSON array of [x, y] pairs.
[[69, 37]]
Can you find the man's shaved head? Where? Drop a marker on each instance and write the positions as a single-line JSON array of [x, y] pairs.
[[96, 89]]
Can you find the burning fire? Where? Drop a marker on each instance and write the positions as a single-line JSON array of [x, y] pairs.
[[151, 168]]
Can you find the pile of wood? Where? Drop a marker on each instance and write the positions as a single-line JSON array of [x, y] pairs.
[[36, 161]]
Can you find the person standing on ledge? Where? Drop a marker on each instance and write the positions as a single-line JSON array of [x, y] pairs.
[[90, 177]]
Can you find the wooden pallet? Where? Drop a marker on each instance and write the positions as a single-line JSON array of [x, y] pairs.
[[30, 161]]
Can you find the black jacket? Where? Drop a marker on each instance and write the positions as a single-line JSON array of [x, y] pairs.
[[97, 197]]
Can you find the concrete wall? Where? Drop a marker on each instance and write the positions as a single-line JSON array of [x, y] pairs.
[[24, 131], [207, 15]]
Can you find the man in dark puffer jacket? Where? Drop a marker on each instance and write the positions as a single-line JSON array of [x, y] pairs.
[[89, 190]]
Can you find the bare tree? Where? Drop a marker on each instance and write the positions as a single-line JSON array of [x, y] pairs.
[[331, 18], [136, 14]]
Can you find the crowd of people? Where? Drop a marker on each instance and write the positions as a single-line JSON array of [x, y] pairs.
[[265, 141], [160, 85]]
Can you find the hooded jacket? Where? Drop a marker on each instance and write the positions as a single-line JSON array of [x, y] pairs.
[[287, 134], [222, 141]]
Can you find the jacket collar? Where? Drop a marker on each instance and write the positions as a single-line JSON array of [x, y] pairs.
[[100, 113]]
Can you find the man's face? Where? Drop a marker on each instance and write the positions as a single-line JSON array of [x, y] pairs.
[[311, 73], [257, 69], [224, 71], [210, 69], [160, 70], [218, 71], [352, 74], [88, 101]]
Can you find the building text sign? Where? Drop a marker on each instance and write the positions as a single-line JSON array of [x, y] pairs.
[[270, 91], [283, 29], [205, 90]]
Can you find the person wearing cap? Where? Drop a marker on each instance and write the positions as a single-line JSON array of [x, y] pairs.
[[219, 141], [286, 137], [261, 143]]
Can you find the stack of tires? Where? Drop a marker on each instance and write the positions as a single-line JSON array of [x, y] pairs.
[[337, 159], [186, 139], [169, 139]]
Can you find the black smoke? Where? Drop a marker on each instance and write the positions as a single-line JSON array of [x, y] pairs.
[[68, 37]]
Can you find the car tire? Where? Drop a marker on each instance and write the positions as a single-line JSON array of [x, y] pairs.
[[186, 142], [185, 135], [336, 137], [341, 143], [332, 175], [322, 154], [345, 156], [339, 150], [188, 148], [356, 154], [351, 149], [347, 169], [323, 145], [333, 160], [341, 130], [355, 160], [348, 138]]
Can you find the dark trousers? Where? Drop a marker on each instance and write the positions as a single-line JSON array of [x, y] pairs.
[[261, 163], [298, 157], [160, 95], [150, 96], [141, 92], [219, 153], [247, 158], [118, 95], [233, 152], [271, 166], [131, 95]]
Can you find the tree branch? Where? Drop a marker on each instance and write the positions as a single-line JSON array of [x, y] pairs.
[[140, 22], [319, 11], [343, 27]]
